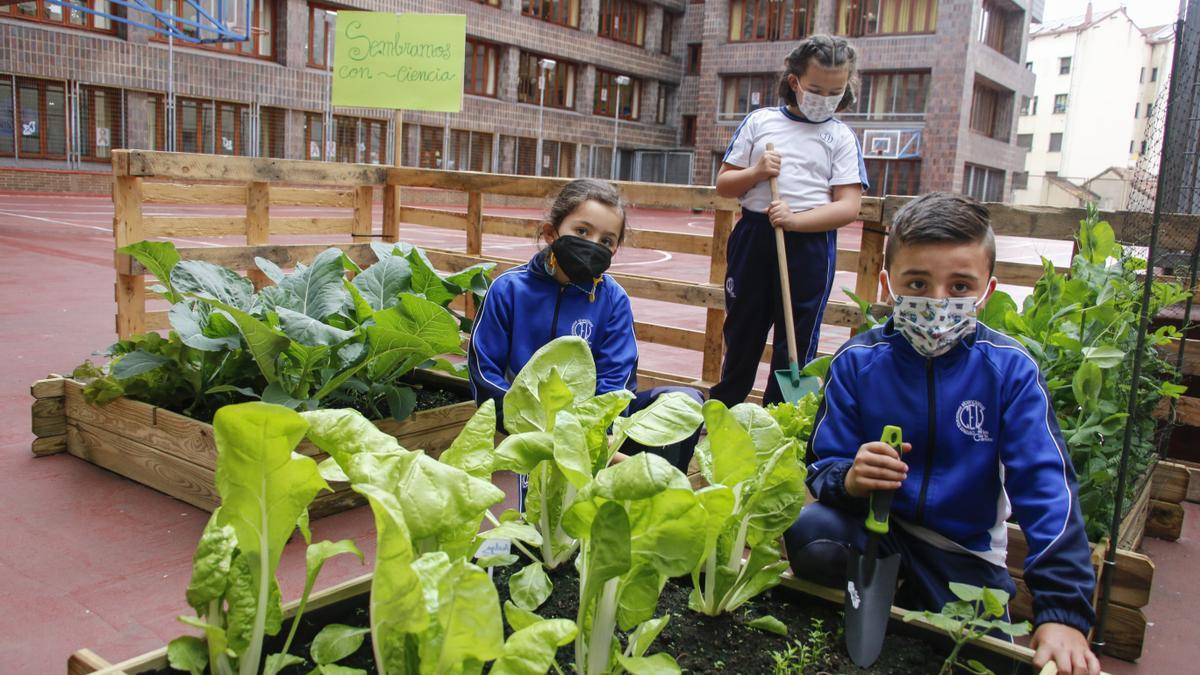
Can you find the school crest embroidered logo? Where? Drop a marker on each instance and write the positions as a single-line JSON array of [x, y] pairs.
[[970, 421], [582, 328], [827, 137]]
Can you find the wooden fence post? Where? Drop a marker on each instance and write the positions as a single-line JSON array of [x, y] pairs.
[[258, 225], [714, 338], [130, 289], [474, 238], [391, 192], [362, 229], [870, 252]]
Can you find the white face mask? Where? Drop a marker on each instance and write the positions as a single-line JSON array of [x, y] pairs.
[[933, 325], [817, 108]]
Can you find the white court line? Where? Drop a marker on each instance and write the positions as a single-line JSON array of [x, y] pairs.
[[700, 224], [665, 257], [93, 227]]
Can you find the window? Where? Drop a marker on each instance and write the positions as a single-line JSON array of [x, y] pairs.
[[857, 18], [345, 130], [1029, 65], [1020, 180], [156, 114], [45, 12], [1055, 143], [1142, 75], [493, 3], [1033, 106], [1149, 110], [1137, 107], [1131, 147], [1064, 65], [993, 26], [895, 96], [983, 183], [1025, 141], [664, 103], [320, 36], [1025, 101], [194, 126], [1060, 104], [559, 84], [693, 58], [608, 91], [743, 94], [482, 66], [623, 21], [689, 131], [314, 136], [771, 20], [262, 28], [470, 150], [1143, 148], [100, 123], [41, 119], [526, 149], [371, 147], [991, 112], [561, 12], [668, 32], [430, 144], [7, 113], [558, 159], [1154, 74], [271, 123], [893, 176]]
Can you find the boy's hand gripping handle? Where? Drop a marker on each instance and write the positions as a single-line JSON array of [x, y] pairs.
[[881, 501], [785, 287]]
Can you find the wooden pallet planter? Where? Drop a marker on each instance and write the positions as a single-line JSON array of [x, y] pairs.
[[87, 662], [177, 455]]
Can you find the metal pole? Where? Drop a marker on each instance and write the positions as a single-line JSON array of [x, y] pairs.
[[329, 156], [169, 112], [621, 81], [1110, 556], [541, 108]]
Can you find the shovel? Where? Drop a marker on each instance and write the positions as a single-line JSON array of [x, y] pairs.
[[870, 580], [792, 387]]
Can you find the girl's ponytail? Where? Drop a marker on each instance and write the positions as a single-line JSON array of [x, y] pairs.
[[828, 51]]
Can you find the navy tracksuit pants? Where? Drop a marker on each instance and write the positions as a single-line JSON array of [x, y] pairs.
[[754, 303], [818, 544]]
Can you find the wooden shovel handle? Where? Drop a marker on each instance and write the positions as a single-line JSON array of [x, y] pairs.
[[785, 285]]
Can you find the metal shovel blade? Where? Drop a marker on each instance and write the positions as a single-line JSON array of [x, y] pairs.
[[793, 386], [870, 587]]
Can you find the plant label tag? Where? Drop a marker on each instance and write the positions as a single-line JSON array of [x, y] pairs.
[[491, 548]]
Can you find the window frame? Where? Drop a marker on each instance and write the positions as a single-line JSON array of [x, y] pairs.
[[615, 17], [776, 18], [768, 82], [567, 14], [895, 86], [1056, 138], [311, 62], [669, 22], [991, 112], [258, 35], [491, 67], [1060, 104], [606, 81], [970, 171], [556, 82], [1064, 65], [40, 11], [850, 18], [88, 151], [695, 57], [43, 134]]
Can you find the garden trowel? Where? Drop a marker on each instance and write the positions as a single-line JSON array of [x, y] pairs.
[[871, 580], [792, 385]]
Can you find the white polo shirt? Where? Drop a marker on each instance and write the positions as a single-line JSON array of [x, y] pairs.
[[815, 156]]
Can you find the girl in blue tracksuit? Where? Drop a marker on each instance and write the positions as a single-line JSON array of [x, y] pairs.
[[821, 180], [561, 291]]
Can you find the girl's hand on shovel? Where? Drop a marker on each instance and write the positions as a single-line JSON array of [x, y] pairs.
[[877, 466]]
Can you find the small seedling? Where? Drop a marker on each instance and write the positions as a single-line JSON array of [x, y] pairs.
[[977, 612], [807, 655]]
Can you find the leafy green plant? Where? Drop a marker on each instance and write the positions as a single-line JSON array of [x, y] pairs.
[[756, 490], [638, 523], [977, 612], [265, 490], [807, 655], [313, 339], [1081, 328]]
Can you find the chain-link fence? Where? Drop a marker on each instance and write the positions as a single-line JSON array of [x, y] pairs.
[[1161, 227]]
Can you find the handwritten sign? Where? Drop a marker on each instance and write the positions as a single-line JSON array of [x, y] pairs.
[[399, 61]]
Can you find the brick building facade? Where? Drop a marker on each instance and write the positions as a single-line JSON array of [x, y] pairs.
[[941, 80]]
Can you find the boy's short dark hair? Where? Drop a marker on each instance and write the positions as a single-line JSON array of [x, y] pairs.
[[941, 217]]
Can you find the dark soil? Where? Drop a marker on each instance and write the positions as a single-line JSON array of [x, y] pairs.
[[701, 644]]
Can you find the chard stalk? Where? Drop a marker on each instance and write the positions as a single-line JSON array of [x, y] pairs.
[[604, 624], [253, 656], [710, 583], [544, 520], [217, 658]]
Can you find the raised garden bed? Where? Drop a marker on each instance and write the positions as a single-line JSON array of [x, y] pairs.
[[702, 644], [176, 455]]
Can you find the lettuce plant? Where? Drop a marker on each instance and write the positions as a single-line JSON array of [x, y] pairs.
[[756, 490], [639, 522]]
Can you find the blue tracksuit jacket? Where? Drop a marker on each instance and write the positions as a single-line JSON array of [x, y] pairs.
[[526, 307], [985, 445]]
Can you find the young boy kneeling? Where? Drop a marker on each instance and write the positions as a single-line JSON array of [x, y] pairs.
[[983, 441]]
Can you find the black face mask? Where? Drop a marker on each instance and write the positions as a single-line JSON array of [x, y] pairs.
[[581, 260]]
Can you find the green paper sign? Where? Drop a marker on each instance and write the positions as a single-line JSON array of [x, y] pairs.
[[399, 61]]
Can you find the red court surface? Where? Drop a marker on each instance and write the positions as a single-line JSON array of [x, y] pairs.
[[94, 560]]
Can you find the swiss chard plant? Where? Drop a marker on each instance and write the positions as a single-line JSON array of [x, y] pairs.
[[977, 612], [559, 436], [314, 338], [265, 490], [639, 523], [1081, 328], [756, 491]]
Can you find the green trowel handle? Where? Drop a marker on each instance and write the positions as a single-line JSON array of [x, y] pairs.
[[881, 502]]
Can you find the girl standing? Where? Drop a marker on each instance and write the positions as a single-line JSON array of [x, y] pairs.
[[563, 290], [821, 176]]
